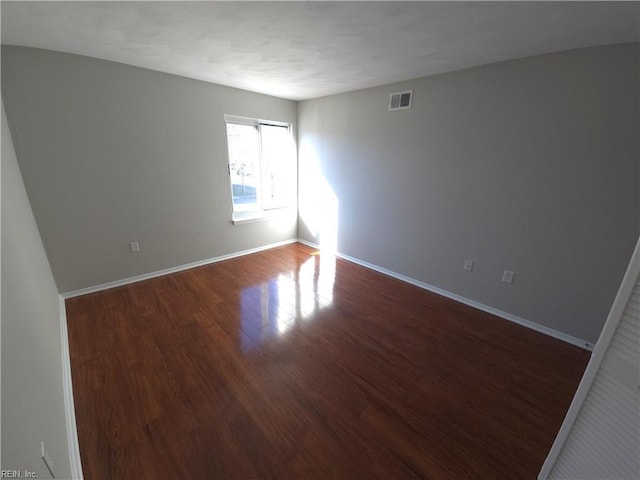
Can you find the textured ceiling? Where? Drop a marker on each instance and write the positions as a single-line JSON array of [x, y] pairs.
[[302, 50]]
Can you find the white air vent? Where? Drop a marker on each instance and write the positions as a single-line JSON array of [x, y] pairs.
[[400, 100]]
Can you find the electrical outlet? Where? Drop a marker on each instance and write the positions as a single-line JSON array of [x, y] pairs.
[[468, 265], [507, 276], [135, 247], [48, 461]]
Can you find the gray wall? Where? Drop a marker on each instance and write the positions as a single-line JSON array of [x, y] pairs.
[[32, 394], [530, 165], [113, 154]]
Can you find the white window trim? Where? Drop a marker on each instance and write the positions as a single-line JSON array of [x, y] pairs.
[[239, 218], [253, 121]]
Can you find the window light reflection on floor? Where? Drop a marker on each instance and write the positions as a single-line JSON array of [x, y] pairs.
[[271, 309]]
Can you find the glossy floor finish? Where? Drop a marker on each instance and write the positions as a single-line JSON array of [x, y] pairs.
[[290, 364]]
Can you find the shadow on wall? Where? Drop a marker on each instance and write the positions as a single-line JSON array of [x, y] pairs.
[[318, 204]]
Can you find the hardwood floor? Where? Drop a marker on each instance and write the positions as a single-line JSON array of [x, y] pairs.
[[289, 364]]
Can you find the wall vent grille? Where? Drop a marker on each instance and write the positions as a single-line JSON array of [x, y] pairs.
[[400, 100]]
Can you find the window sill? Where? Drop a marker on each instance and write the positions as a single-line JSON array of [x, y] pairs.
[[252, 217]]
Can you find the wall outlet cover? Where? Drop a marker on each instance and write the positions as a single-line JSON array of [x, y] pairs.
[[507, 276]]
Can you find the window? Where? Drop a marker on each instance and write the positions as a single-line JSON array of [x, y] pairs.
[[262, 167]]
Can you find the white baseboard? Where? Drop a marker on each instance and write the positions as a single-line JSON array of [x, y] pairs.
[[72, 434], [480, 306], [593, 367], [70, 412], [167, 271]]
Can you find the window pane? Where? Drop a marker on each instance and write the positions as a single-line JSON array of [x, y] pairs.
[[244, 166], [278, 165]]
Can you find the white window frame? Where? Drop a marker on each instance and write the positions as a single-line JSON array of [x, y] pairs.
[[260, 213]]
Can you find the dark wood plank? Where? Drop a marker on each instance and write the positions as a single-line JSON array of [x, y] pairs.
[[290, 364]]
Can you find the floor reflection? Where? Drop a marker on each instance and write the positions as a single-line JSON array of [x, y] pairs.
[[272, 308]]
